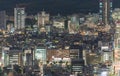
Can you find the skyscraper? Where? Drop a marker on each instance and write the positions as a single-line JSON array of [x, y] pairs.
[[105, 11], [19, 18], [117, 49], [43, 18], [2, 20]]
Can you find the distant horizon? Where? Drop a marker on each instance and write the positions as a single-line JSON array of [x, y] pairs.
[[54, 7]]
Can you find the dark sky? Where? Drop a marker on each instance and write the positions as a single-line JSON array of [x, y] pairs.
[[56, 6]]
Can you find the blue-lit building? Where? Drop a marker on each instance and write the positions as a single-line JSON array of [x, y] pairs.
[[105, 11]]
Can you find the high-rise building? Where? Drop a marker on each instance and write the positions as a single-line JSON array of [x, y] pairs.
[[105, 11], [117, 49], [77, 62], [116, 37], [19, 18], [43, 18], [2, 20]]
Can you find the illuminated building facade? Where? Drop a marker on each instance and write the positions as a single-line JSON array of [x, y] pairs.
[[105, 11], [40, 54], [19, 18], [117, 49], [43, 18], [116, 18]]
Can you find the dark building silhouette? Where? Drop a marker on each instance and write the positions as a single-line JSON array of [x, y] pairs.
[[2, 20]]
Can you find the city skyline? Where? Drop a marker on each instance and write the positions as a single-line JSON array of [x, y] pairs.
[[60, 6], [60, 38]]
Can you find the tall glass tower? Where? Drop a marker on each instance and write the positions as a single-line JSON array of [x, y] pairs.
[[105, 11]]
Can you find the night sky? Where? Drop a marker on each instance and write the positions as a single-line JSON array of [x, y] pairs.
[[63, 7]]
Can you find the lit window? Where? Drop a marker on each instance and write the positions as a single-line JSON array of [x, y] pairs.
[[118, 43], [100, 11], [110, 4], [101, 4]]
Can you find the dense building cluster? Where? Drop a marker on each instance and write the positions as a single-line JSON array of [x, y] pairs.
[[78, 44]]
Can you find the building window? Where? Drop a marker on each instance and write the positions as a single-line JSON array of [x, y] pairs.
[[118, 43], [110, 4], [100, 11], [101, 4]]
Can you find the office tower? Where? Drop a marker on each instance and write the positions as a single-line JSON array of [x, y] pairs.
[[43, 18], [117, 49], [105, 11], [19, 18], [77, 62], [2, 20]]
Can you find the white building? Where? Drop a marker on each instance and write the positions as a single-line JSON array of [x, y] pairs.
[[43, 18], [74, 24], [116, 18], [107, 55], [19, 18], [116, 14], [117, 48]]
